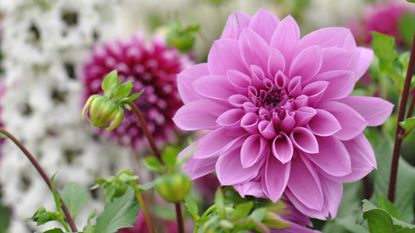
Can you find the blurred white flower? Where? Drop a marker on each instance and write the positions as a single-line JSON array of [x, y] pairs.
[[44, 43]]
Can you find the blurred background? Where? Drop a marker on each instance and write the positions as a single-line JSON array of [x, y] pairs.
[[55, 52]]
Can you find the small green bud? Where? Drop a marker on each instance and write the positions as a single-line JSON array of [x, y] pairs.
[[173, 187], [103, 113], [182, 38]]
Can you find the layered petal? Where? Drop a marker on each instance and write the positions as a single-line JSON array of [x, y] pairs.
[[235, 24], [374, 110], [275, 178], [185, 81], [286, 37], [225, 55], [264, 23]]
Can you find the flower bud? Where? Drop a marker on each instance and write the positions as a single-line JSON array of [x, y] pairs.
[[173, 187], [103, 113]]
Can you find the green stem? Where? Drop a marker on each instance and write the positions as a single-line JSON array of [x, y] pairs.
[[42, 173], [151, 141]]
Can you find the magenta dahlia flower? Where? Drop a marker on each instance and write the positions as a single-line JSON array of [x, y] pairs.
[[140, 226], [279, 114], [383, 18], [151, 66]]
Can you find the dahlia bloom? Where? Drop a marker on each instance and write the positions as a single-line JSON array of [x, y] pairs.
[[151, 66], [278, 109], [383, 18]]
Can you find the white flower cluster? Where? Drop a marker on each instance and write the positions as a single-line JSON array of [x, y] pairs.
[[44, 45]]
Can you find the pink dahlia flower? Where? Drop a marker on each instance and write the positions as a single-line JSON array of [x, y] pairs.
[[151, 66], [383, 18], [278, 109]]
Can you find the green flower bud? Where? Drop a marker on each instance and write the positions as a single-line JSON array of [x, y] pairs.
[[182, 38], [103, 113], [173, 187]]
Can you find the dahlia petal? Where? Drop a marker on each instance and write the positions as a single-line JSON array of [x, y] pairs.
[[295, 228], [250, 122], [225, 55], [333, 193], [304, 140], [275, 178], [235, 24], [238, 79], [362, 158], [324, 124], [185, 80], [303, 115], [281, 80], [250, 189], [264, 23], [306, 64], [333, 158], [340, 83], [336, 59], [301, 101], [199, 114], [329, 37], [266, 129], [253, 48], [362, 61], [276, 62], [351, 122], [237, 100], [374, 110], [319, 214], [253, 150], [305, 185], [231, 117], [282, 148], [196, 168], [294, 86], [315, 91], [214, 87], [286, 37], [216, 142], [231, 159], [288, 123]]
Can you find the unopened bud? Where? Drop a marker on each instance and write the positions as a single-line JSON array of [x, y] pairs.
[[173, 187], [103, 113]]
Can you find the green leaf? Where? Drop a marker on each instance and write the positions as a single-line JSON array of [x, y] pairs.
[[55, 230], [385, 204], [407, 27], [109, 192], [404, 200], [169, 157], [75, 198], [120, 213], [42, 216], [153, 164], [220, 203], [111, 80], [163, 212], [148, 185], [122, 90], [411, 1], [258, 214], [408, 124], [242, 210], [191, 207], [379, 221], [274, 221], [384, 46], [2, 135]]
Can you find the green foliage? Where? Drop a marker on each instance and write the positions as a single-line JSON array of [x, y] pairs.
[[173, 187], [153, 164], [120, 213], [407, 27], [169, 157], [191, 207], [235, 215], [182, 38], [382, 221], [116, 186], [384, 48], [408, 124], [42, 216], [75, 198], [405, 193]]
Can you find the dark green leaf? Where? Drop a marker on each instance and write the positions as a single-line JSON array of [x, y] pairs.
[[153, 164], [242, 210], [42, 216], [120, 213], [75, 198], [379, 221], [191, 207], [385, 204]]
